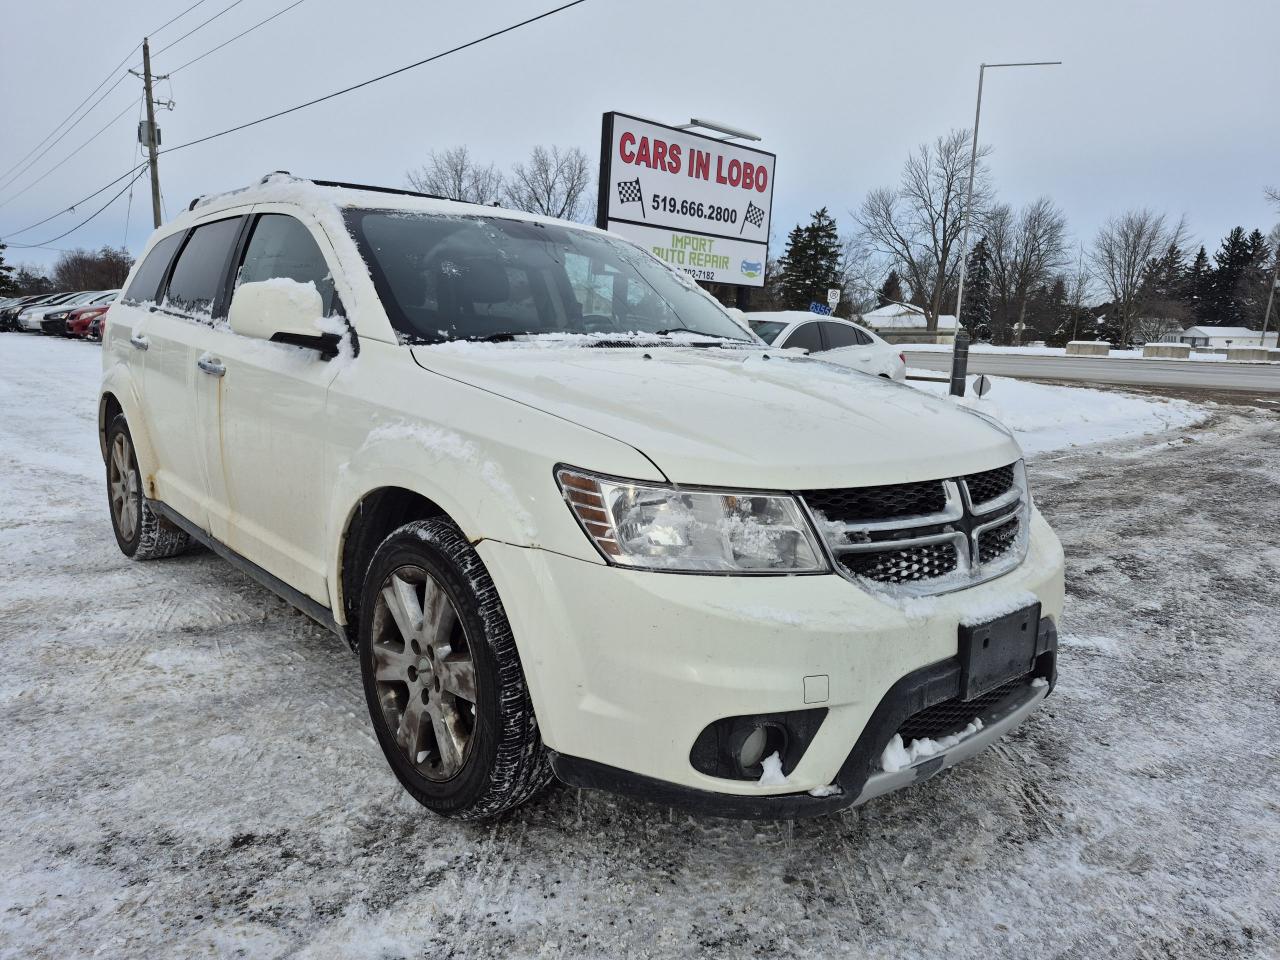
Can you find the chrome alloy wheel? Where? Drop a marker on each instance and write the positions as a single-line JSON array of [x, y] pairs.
[[123, 486], [425, 676]]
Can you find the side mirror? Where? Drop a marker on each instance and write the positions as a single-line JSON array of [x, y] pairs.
[[284, 311]]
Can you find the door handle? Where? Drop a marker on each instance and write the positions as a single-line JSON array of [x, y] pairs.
[[211, 366], [140, 341]]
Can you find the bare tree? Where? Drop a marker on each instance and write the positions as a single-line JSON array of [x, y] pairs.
[[1119, 258], [553, 182], [454, 174], [79, 269], [917, 224], [1027, 249]]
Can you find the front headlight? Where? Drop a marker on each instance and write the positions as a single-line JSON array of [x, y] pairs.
[[656, 527], [56, 316]]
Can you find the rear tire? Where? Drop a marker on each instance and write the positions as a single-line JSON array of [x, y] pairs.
[[141, 532], [442, 677]]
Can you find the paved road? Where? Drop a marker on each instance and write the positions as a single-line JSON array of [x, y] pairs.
[[1213, 375]]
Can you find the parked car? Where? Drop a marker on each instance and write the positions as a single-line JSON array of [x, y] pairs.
[[9, 312], [53, 322], [832, 339], [574, 519], [83, 322], [30, 318]]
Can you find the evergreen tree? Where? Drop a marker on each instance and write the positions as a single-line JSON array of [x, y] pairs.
[[976, 318], [1231, 263], [8, 285], [1196, 288], [1161, 308], [891, 290], [811, 264]]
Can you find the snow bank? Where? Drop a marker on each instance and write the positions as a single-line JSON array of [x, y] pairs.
[[1047, 417]]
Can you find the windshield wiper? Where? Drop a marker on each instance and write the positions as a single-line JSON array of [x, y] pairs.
[[698, 333]]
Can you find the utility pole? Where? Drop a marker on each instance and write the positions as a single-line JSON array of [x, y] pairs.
[[1271, 296], [152, 134]]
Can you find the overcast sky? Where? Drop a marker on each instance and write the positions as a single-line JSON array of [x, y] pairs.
[[1171, 105]]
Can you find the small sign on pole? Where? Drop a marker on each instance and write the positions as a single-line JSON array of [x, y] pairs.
[[833, 298], [982, 385]]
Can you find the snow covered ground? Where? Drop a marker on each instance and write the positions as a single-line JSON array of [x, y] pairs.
[[1048, 417], [187, 769]]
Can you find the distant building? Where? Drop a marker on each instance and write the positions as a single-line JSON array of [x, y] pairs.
[[903, 323], [1218, 338]]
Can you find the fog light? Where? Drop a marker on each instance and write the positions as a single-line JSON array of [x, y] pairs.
[[752, 750]]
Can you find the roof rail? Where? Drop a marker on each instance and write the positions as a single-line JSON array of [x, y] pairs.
[[373, 189], [342, 185]]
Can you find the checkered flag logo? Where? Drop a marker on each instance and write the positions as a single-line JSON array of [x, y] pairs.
[[754, 216], [629, 192]]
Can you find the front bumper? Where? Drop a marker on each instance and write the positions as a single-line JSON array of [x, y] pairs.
[[861, 777], [627, 668]]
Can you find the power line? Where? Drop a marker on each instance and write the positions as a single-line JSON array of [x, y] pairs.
[[302, 106], [169, 21], [72, 114], [100, 85], [101, 131], [237, 36], [28, 246], [372, 80], [68, 209], [226, 9]]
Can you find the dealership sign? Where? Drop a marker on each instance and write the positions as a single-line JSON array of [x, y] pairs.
[[696, 202]]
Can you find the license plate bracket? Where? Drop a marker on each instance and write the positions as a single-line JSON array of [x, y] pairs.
[[998, 650]]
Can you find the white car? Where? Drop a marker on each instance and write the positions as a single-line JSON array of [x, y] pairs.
[[574, 520], [831, 339]]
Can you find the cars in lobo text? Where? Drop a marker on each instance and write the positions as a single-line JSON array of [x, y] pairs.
[[574, 519], [831, 339]]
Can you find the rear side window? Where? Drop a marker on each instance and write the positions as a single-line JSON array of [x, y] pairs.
[[282, 247], [841, 335], [197, 276], [807, 336], [147, 280]]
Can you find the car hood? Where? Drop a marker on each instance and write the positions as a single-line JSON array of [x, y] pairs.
[[732, 417]]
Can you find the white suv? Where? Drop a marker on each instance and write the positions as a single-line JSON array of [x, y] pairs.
[[574, 520]]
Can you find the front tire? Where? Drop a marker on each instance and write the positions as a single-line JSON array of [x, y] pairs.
[[141, 532], [442, 677]]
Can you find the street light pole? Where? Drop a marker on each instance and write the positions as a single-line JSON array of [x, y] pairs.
[[968, 197]]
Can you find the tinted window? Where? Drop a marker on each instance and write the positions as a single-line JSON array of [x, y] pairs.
[[807, 336], [197, 276], [282, 247], [842, 335], [147, 280]]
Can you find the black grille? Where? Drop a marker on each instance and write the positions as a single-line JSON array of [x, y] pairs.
[[952, 716], [998, 541], [989, 484], [905, 565], [861, 504]]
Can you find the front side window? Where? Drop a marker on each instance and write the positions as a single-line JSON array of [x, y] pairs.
[[281, 246], [147, 280], [202, 264], [458, 278], [767, 330], [807, 336]]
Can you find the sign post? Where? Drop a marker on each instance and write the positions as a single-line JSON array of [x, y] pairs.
[[696, 202], [833, 298]]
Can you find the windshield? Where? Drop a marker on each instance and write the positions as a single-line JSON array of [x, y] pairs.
[[471, 278], [767, 330]]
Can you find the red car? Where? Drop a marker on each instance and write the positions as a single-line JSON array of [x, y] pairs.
[[86, 322]]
